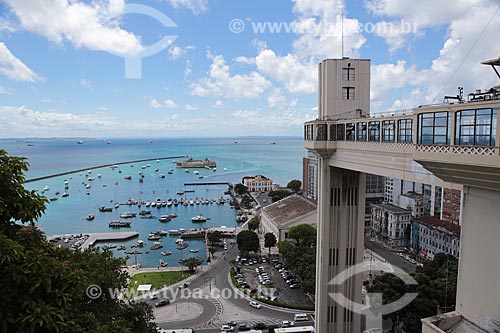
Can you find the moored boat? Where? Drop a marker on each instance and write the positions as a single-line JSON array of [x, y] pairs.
[[119, 224], [199, 218], [90, 217]]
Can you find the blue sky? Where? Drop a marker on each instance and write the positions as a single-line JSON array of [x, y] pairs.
[[62, 67]]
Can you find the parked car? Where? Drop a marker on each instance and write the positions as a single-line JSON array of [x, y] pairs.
[[244, 327], [287, 323], [260, 326], [230, 323], [161, 303], [255, 304], [226, 328]]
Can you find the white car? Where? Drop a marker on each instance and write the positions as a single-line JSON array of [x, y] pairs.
[[256, 305], [153, 296], [226, 328], [287, 323]]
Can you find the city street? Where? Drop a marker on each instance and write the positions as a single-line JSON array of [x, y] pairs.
[[389, 255]]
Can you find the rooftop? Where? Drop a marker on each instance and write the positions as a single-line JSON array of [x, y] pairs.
[[392, 208], [451, 322], [289, 209], [435, 222]]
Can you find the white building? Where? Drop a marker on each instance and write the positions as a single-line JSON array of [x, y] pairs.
[[391, 224], [412, 201], [258, 183], [288, 212]]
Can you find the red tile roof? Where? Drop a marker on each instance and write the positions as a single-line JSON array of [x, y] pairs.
[[434, 221], [289, 209]]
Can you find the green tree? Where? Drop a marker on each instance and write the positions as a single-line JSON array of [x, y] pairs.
[[303, 234], [44, 289], [240, 189], [192, 263], [248, 241], [279, 194], [213, 237], [436, 288], [295, 185], [254, 223], [269, 240]]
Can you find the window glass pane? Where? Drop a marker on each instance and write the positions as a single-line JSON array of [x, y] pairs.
[[427, 122], [483, 130], [467, 112], [441, 122], [440, 139], [440, 130], [427, 131], [484, 111], [483, 119]]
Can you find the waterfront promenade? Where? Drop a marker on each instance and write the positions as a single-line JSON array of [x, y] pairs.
[[100, 237]]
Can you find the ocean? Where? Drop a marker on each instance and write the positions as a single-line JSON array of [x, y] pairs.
[[277, 158]]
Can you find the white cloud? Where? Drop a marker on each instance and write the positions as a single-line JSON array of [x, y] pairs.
[[5, 91], [218, 104], [296, 76], [276, 99], [175, 52], [47, 100], [190, 107], [91, 26], [195, 6], [245, 60], [14, 68], [170, 104], [220, 82], [6, 25], [189, 68], [154, 103], [86, 84], [19, 121], [103, 108]]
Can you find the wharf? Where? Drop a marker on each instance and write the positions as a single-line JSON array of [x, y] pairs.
[[207, 183], [101, 237], [100, 166]]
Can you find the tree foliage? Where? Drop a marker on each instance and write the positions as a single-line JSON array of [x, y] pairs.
[[277, 195], [437, 283], [254, 223], [44, 289], [240, 189], [295, 185], [192, 263], [303, 234], [269, 240], [248, 241], [213, 237], [300, 255]]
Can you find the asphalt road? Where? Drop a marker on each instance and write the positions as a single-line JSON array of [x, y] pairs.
[[218, 277], [391, 257]]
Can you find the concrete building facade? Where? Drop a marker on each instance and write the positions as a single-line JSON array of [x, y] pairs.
[[391, 225], [435, 236], [258, 183], [310, 176]]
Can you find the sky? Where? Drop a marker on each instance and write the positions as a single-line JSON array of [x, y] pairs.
[[225, 68]]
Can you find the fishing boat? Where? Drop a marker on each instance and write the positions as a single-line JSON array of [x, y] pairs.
[[119, 224], [154, 237], [174, 232], [105, 209], [156, 246], [128, 215], [161, 175], [164, 218], [161, 232], [90, 217], [166, 253], [194, 250], [145, 212], [163, 263], [53, 199], [199, 218], [182, 246], [179, 241]]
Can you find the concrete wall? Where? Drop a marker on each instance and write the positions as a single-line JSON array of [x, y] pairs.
[[478, 296]]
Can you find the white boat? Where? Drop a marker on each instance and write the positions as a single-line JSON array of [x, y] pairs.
[[196, 172], [80, 142], [199, 218], [194, 250], [186, 170], [174, 232], [179, 241]]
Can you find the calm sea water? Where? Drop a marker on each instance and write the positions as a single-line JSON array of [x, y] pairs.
[[281, 161]]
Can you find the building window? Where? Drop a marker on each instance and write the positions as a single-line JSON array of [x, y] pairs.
[[350, 132], [476, 127], [347, 93], [333, 132], [321, 132], [388, 130], [374, 131], [405, 130], [433, 128], [348, 74], [340, 132], [361, 131]]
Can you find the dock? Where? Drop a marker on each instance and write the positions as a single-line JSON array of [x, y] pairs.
[[98, 167], [207, 183], [101, 237]]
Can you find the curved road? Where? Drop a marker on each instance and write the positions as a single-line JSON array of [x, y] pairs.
[[218, 277]]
